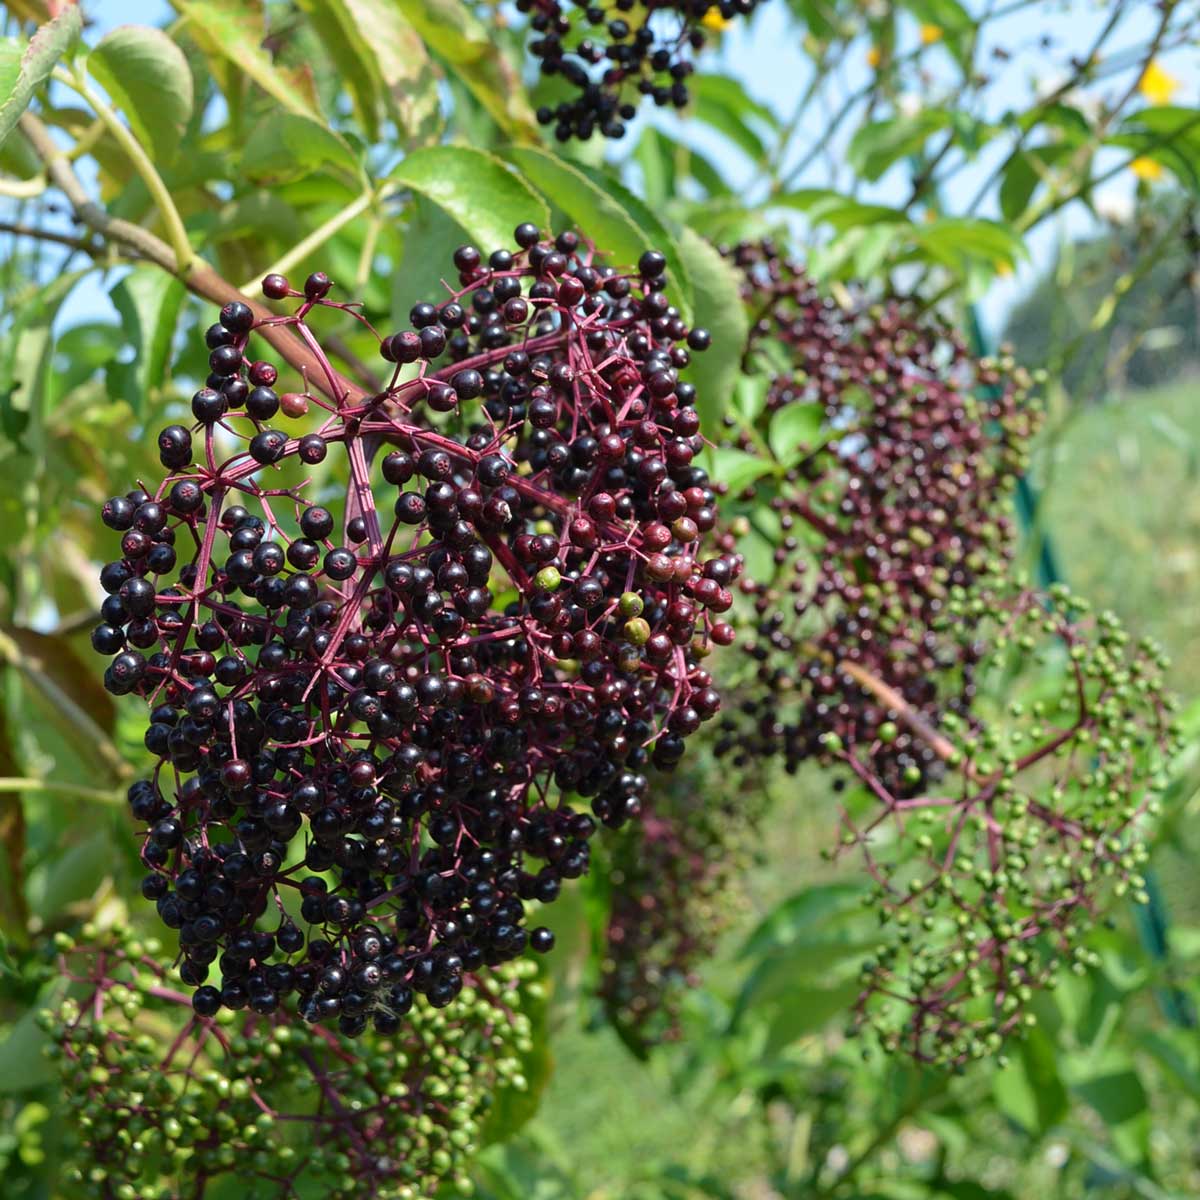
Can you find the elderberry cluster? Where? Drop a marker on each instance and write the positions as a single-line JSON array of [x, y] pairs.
[[374, 717], [985, 885], [275, 1111], [613, 56], [898, 493], [674, 880]]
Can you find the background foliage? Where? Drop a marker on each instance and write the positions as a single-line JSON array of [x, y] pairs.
[[909, 149]]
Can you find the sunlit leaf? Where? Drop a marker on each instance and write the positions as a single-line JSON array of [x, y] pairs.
[[288, 146], [735, 468], [235, 31], [876, 147], [1029, 1089], [794, 429], [148, 79], [620, 224], [25, 67], [482, 193], [717, 307], [149, 301], [455, 34]]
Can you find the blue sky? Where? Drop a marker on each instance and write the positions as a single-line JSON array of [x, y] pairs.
[[775, 71]]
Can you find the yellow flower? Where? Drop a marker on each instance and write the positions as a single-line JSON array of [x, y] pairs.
[[874, 57], [931, 34], [714, 21], [1156, 84], [1147, 169], [1003, 267]]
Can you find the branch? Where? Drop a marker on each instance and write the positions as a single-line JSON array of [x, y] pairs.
[[46, 235], [938, 743], [199, 277]]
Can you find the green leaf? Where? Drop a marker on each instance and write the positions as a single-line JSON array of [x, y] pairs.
[[454, 33], [956, 24], [807, 199], [735, 468], [1168, 134], [81, 351], [287, 146], [1028, 1089], [235, 30], [482, 193], [814, 939], [655, 156], [1017, 185], [73, 875], [1176, 1055], [24, 68], [430, 237], [25, 358], [831, 958], [17, 155], [400, 60], [722, 103], [147, 77], [807, 1009], [874, 245], [22, 1063], [149, 301], [621, 225], [1118, 1096], [381, 59], [955, 241], [795, 429], [349, 57], [876, 147], [12, 50], [719, 309], [750, 395], [816, 906], [846, 215]]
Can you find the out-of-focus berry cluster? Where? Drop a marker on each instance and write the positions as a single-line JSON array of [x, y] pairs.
[[283, 1110], [370, 715], [613, 56], [986, 883], [900, 494], [675, 883]]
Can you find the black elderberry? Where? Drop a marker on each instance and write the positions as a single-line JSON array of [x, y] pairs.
[[209, 405], [237, 317], [262, 404], [317, 286], [364, 689]]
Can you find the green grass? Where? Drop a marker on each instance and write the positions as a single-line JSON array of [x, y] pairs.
[[1121, 502]]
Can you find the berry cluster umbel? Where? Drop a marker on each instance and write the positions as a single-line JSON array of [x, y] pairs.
[[613, 57], [280, 1110], [986, 885], [369, 717], [903, 496]]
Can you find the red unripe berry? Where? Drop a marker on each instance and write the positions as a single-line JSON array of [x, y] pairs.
[[602, 506], [656, 537], [583, 531], [293, 404]]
